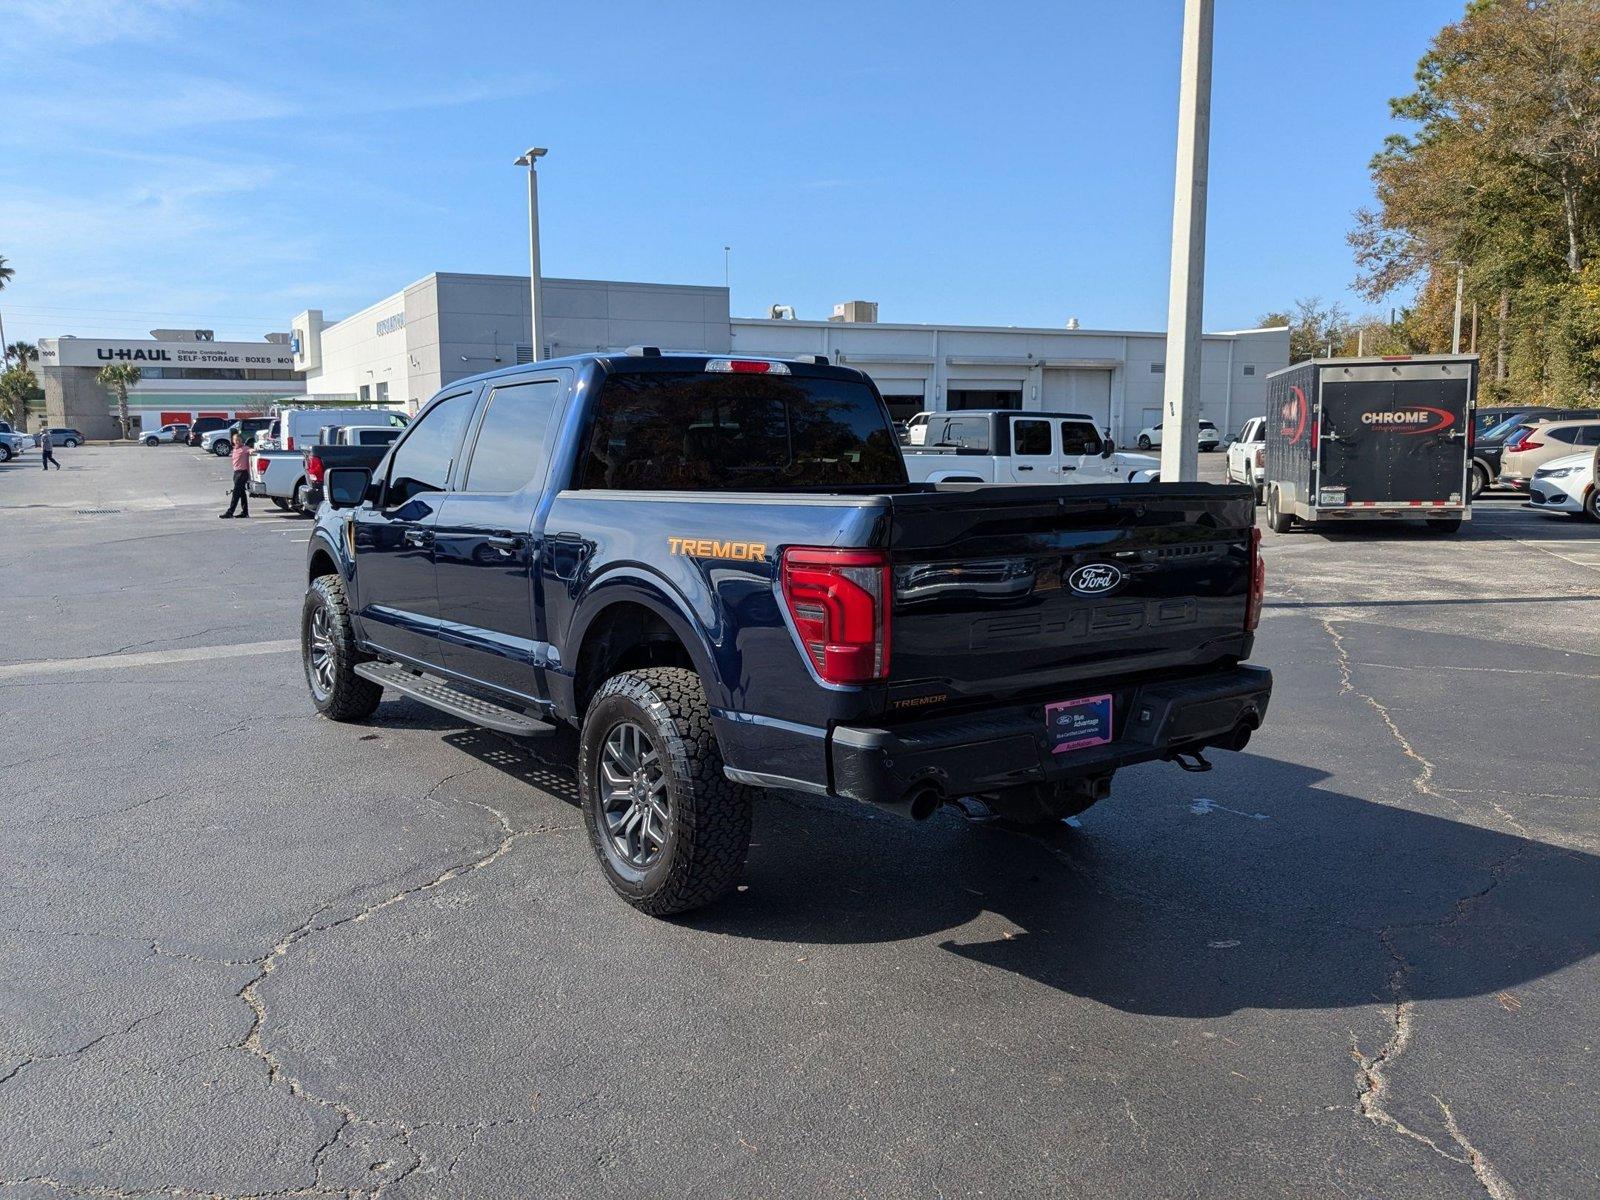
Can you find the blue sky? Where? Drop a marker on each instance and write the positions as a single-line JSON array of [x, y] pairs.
[[228, 164]]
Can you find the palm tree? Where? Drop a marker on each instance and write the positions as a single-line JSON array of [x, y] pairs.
[[23, 352], [5, 277], [119, 377]]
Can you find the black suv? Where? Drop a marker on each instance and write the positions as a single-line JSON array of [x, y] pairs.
[[204, 425]]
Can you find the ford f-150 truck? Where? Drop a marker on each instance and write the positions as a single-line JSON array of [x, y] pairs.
[[717, 571]]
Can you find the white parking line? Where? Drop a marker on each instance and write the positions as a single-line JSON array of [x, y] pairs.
[[149, 658]]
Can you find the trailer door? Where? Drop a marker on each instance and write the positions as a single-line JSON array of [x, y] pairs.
[[1394, 434]]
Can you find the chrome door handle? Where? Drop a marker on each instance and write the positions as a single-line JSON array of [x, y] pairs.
[[418, 537], [505, 545]]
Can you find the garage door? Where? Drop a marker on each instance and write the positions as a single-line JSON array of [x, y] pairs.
[[1079, 391]]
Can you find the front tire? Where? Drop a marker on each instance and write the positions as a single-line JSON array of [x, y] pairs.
[[669, 828], [1277, 520], [329, 655], [1144, 442], [1591, 503], [5, 454], [221, 449]]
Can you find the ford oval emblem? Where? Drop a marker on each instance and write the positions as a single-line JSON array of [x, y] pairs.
[[1096, 579]]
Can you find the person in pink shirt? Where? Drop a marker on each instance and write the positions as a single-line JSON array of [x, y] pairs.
[[241, 478]]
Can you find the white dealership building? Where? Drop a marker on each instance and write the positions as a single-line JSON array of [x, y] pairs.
[[445, 327]]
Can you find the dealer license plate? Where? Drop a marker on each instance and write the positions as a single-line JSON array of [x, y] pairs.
[[1076, 724]]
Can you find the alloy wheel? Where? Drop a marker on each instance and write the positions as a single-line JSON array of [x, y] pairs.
[[635, 804], [321, 653]]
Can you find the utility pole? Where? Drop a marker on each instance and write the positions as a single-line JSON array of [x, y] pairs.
[[530, 159], [1461, 283], [1180, 428]]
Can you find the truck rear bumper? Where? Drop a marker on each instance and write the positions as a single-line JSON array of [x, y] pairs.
[[909, 767]]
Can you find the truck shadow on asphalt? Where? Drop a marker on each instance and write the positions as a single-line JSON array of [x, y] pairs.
[[1296, 897]]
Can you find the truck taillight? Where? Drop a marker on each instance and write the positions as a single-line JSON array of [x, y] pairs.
[[314, 469], [261, 466], [839, 601], [288, 442], [1258, 584], [1261, 457]]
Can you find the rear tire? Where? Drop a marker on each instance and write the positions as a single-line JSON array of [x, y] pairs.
[[72, 442], [1479, 482], [279, 503], [329, 655], [1277, 520], [667, 795]]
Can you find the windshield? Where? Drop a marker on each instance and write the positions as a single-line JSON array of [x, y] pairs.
[[1503, 430], [694, 430]]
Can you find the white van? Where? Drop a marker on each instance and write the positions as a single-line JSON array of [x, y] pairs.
[[298, 427]]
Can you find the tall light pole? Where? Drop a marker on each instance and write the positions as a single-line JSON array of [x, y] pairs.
[[1461, 280], [1180, 422], [530, 159]]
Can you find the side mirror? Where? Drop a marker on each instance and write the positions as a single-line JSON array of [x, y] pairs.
[[346, 487], [1107, 448]]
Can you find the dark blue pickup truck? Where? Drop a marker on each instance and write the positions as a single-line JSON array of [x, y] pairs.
[[716, 570]]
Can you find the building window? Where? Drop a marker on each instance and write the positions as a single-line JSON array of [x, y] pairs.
[[383, 393], [366, 394], [1157, 368], [1249, 369]]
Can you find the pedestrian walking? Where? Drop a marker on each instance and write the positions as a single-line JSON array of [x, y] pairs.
[[241, 479], [47, 449]]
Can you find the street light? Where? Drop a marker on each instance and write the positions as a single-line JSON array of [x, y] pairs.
[[1180, 430], [530, 159]]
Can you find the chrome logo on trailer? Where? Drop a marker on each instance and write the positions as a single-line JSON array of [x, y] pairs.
[[1096, 579], [1410, 421]]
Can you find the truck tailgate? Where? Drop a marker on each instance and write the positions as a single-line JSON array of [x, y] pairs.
[[1000, 591]]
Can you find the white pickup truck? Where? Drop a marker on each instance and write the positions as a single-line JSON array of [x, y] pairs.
[[282, 477], [1247, 455], [1008, 446]]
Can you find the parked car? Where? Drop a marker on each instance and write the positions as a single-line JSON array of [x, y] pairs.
[[1150, 436], [220, 441], [1247, 455], [176, 433], [1542, 441], [292, 479], [1004, 445], [1566, 485], [62, 436], [11, 442], [201, 426], [1489, 449], [718, 571]]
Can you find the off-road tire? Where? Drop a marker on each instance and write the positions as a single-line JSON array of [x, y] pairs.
[[709, 814], [1277, 520], [350, 697]]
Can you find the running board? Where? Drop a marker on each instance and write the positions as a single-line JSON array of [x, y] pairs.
[[447, 698]]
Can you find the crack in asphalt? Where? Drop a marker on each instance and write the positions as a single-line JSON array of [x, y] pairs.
[[386, 1129], [1372, 1080], [33, 1060]]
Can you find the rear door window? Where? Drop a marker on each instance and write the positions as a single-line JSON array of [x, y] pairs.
[[512, 446], [1031, 438]]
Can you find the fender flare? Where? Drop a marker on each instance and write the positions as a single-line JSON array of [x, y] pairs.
[[652, 592]]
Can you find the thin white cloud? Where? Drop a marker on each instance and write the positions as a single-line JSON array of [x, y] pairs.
[[89, 22]]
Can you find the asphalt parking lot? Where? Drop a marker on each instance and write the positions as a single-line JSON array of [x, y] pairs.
[[246, 951]]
